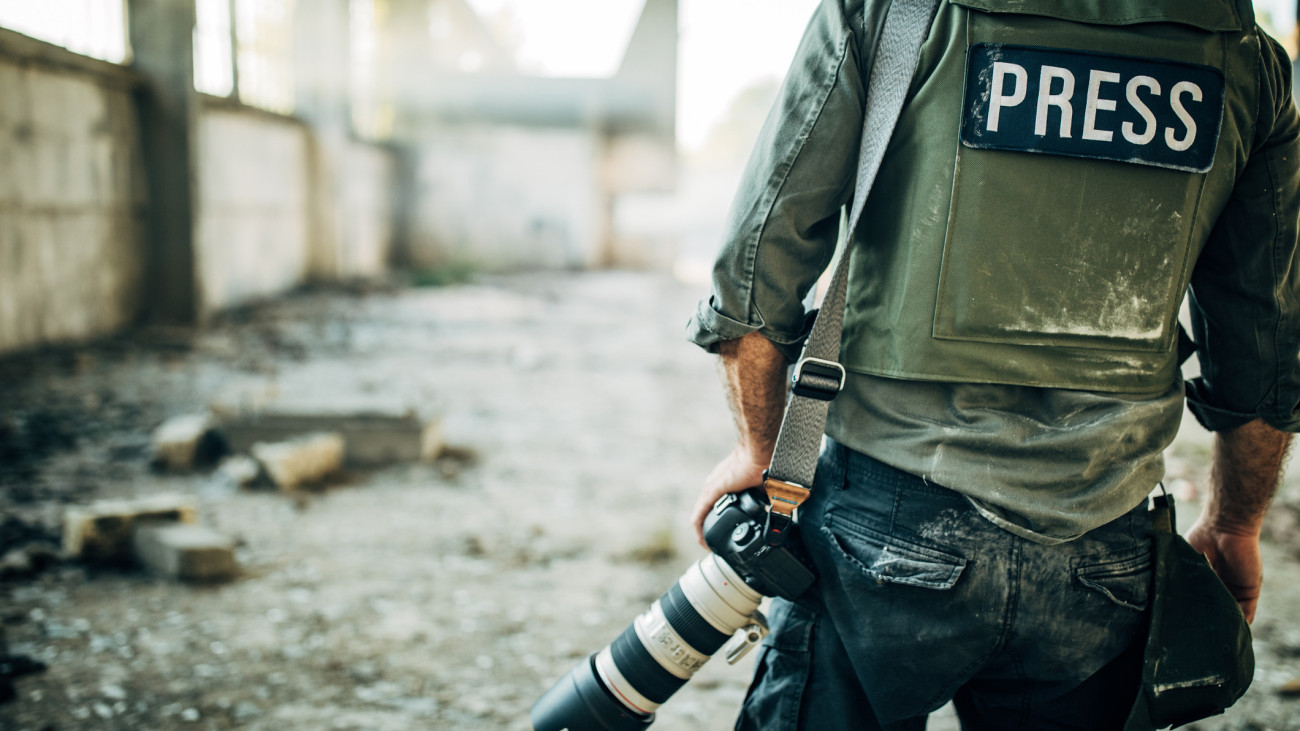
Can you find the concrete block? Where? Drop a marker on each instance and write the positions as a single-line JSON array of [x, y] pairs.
[[185, 442], [101, 532], [185, 551], [372, 439], [253, 182], [302, 461], [28, 561], [240, 470]]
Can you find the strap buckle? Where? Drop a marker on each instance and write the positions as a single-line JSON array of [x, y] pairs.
[[783, 498], [817, 378]]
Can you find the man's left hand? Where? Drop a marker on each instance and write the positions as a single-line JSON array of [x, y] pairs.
[[1235, 557]]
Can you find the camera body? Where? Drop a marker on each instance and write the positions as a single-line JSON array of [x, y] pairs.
[[734, 531], [713, 607]]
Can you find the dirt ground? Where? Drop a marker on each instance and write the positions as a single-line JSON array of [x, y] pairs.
[[446, 595]]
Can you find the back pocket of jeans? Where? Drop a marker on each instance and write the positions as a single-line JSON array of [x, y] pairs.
[[1125, 579], [888, 559]]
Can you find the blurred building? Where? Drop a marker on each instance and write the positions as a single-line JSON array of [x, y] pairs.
[[185, 156]]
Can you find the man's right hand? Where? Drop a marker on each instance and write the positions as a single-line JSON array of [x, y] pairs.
[[754, 373], [739, 471]]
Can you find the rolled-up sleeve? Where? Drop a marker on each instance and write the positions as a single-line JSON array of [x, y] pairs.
[[783, 225], [1245, 301]]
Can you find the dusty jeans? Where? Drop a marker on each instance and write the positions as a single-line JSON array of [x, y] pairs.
[[921, 600]]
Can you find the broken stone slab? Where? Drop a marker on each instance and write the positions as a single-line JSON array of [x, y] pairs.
[[241, 470], [373, 438], [184, 442], [185, 551], [298, 462], [102, 532], [28, 561]]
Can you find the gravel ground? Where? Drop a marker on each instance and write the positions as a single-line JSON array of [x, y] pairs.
[[446, 595]]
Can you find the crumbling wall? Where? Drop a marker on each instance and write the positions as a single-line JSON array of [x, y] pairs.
[[75, 225], [252, 229], [504, 197], [71, 202], [369, 207], [508, 171]]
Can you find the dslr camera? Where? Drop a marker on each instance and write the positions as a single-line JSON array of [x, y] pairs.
[[712, 606]]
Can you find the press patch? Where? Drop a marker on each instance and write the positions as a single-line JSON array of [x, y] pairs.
[[1101, 106]]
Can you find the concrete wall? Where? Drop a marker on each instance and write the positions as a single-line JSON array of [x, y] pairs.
[[72, 201], [510, 171], [505, 197], [508, 197], [75, 215], [640, 173], [369, 208], [254, 231]]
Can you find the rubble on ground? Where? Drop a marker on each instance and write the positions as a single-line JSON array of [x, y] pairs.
[[103, 532], [446, 590], [299, 462], [187, 442]]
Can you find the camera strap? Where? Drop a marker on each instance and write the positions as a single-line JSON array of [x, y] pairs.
[[818, 376]]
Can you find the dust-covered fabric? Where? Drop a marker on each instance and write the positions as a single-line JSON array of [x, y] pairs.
[[1045, 461]]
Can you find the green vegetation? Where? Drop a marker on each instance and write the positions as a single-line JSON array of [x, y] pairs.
[[443, 275]]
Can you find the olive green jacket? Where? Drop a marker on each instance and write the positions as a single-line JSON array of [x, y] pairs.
[[1011, 323], [1065, 270]]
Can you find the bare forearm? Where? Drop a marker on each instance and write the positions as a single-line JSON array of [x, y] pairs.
[[1244, 476], [755, 374], [1243, 479]]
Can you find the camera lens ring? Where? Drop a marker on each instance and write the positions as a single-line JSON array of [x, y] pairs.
[[689, 624], [639, 665], [666, 645], [719, 594], [654, 656]]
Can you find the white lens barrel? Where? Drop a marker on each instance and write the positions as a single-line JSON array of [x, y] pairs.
[[719, 595], [663, 647], [668, 648]]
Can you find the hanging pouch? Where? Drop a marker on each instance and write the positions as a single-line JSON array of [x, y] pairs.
[[1198, 659]]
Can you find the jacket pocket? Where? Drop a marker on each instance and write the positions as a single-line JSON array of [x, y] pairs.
[[889, 559]]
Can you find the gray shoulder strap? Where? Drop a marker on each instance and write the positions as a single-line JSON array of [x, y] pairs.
[[818, 376]]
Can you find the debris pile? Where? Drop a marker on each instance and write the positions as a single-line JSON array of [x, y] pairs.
[[281, 449]]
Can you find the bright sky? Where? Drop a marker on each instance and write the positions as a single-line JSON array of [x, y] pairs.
[[93, 27], [1283, 14], [725, 45], [552, 43]]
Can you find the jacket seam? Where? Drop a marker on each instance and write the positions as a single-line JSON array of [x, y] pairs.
[[785, 167], [1271, 398]]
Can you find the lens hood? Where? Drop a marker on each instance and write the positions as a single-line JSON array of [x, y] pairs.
[[580, 702]]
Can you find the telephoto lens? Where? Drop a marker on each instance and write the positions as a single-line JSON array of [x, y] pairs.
[[715, 603], [621, 686]]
